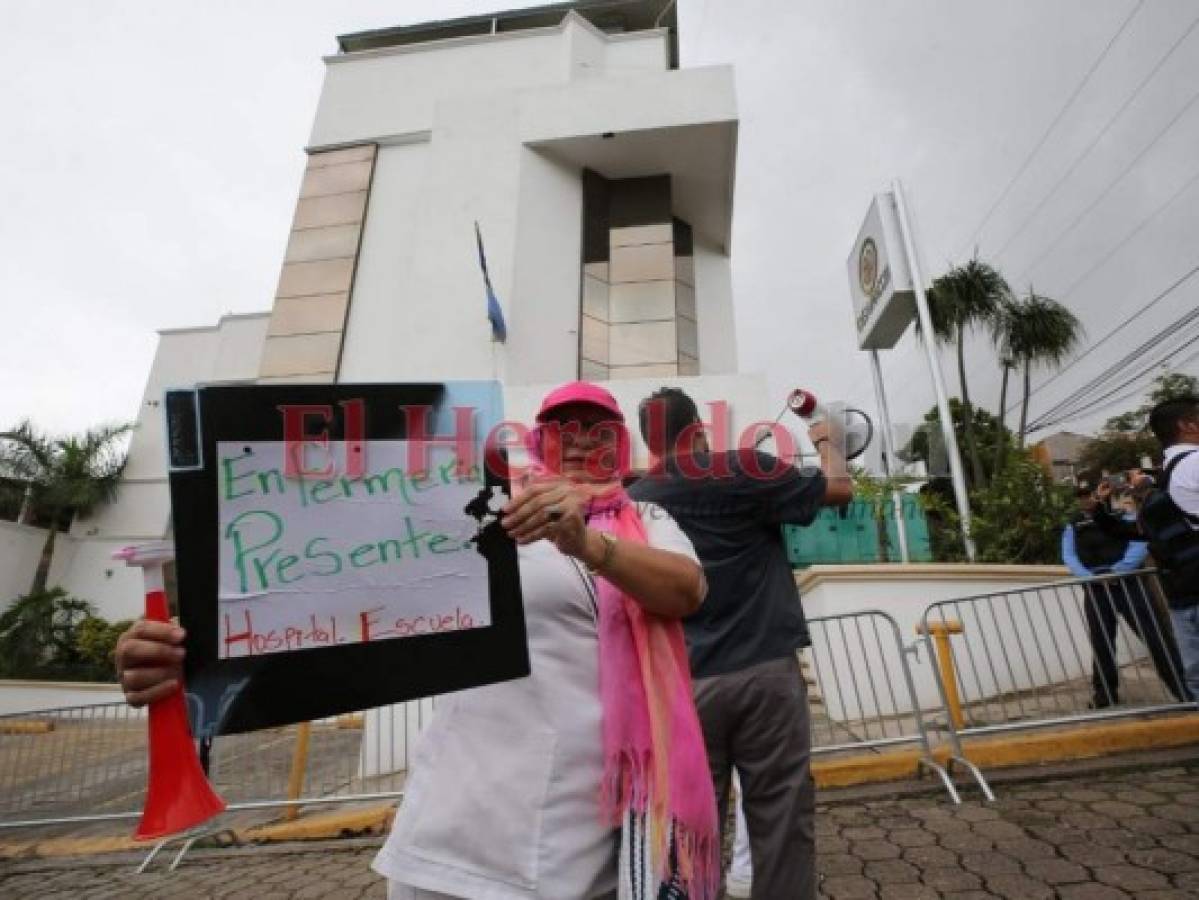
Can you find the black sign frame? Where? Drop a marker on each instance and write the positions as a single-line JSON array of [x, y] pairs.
[[239, 694]]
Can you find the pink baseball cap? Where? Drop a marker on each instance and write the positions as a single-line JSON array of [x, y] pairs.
[[579, 392]]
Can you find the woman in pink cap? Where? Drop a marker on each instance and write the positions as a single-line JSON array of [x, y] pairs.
[[588, 778], [527, 789]]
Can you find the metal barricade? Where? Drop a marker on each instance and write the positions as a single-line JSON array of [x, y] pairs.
[[88, 763], [79, 763], [1068, 651], [865, 696]]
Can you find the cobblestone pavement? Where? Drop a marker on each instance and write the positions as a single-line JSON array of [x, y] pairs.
[[1091, 837], [1087, 837]]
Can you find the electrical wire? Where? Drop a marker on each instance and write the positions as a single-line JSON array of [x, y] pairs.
[[1074, 164], [1052, 126], [1136, 355], [1118, 400], [1134, 378], [1069, 229], [1110, 253], [1110, 334], [1174, 331], [1123, 398]]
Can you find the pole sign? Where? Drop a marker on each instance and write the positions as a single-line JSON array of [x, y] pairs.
[[880, 284]]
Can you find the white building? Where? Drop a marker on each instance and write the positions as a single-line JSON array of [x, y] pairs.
[[601, 176]]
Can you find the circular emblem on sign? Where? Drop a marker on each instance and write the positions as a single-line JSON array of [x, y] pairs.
[[868, 269]]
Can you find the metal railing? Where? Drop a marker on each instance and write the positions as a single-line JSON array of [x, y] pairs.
[[1068, 651], [865, 696], [88, 763], [1008, 660]]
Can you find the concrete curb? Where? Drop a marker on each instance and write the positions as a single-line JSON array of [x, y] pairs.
[[342, 823], [1023, 748]]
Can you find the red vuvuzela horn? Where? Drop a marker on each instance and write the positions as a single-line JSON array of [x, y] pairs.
[[178, 796]]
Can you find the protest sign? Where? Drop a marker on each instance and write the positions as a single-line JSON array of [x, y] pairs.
[[337, 548]]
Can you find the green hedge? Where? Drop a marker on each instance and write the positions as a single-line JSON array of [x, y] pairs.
[[53, 636]]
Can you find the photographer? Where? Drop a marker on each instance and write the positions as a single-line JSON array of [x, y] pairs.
[[1088, 550], [1169, 520]]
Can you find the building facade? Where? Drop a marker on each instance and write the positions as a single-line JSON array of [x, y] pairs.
[[601, 177]]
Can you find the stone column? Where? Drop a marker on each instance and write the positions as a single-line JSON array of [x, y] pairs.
[[312, 300]]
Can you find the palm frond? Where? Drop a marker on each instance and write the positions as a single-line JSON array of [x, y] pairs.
[[967, 295], [1043, 331], [76, 472]]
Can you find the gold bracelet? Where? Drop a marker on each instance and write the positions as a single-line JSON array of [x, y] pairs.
[[609, 552]]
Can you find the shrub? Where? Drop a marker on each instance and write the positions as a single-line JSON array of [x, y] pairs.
[[49, 634], [96, 643], [1018, 518]]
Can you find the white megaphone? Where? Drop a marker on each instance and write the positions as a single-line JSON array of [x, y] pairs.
[[855, 424]]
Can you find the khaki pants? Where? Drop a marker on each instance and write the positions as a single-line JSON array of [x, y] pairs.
[[757, 720]]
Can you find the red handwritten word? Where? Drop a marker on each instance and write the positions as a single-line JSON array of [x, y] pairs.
[[324, 632], [371, 628]]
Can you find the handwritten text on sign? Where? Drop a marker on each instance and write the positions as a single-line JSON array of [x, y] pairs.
[[320, 561]]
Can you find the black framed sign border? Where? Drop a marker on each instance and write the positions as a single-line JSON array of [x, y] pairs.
[[229, 696]]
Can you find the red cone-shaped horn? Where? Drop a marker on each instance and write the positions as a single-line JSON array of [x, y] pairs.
[[178, 796]]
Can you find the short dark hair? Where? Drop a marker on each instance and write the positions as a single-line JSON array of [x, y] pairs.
[[674, 410], [1165, 419]]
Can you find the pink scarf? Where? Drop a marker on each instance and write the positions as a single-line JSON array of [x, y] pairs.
[[655, 764]]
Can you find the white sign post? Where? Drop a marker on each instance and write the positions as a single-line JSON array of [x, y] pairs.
[[887, 288]]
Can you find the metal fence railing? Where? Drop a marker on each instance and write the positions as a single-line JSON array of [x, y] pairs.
[[865, 697], [88, 763], [1069, 651], [1029, 657]]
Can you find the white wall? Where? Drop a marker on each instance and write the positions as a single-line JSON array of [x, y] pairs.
[[20, 550], [388, 316], [229, 351], [547, 280], [370, 94], [1029, 620], [454, 119], [714, 312], [637, 50], [422, 215], [83, 563], [85, 569]]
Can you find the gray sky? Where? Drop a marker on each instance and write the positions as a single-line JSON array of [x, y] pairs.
[[153, 152]]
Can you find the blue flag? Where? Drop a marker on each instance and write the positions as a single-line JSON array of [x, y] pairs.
[[499, 331]]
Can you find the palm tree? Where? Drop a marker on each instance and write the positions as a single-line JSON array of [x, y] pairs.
[[963, 297], [1039, 331], [70, 475], [1004, 328]]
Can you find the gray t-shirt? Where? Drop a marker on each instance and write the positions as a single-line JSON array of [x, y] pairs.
[[731, 505]]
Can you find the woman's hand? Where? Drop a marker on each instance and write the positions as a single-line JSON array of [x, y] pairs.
[[553, 509], [149, 661]]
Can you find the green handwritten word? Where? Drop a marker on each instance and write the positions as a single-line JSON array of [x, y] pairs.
[[240, 479], [261, 562]]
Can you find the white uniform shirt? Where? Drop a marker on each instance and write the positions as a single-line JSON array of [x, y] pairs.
[[502, 800], [1184, 479]]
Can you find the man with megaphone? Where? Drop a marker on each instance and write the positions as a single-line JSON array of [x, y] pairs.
[[749, 691]]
